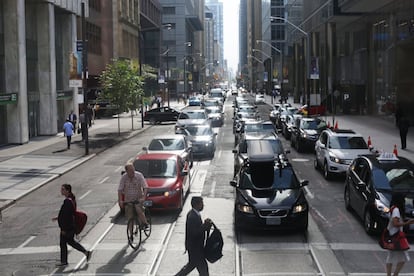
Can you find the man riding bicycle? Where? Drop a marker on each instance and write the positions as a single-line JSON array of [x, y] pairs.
[[133, 187]]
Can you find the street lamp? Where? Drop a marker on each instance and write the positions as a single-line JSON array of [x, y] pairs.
[[307, 52], [188, 44]]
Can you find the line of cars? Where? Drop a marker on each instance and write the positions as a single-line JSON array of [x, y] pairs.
[[371, 177], [268, 194], [168, 159]]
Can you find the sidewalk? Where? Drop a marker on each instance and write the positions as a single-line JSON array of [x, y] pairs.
[[24, 168], [381, 129]]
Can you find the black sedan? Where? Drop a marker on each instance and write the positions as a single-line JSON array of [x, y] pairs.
[[161, 114], [370, 182], [305, 132], [268, 194]]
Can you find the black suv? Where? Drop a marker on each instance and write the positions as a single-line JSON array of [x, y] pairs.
[[305, 132], [241, 151], [369, 184], [268, 194]]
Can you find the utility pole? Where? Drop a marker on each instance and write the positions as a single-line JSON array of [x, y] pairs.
[[84, 80]]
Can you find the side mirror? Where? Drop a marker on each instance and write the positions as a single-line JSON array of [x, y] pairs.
[[233, 183], [234, 151], [184, 172], [304, 183], [145, 148]]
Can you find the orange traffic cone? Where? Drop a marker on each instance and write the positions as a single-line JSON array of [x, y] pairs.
[[336, 125], [369, 142], [395, 150]]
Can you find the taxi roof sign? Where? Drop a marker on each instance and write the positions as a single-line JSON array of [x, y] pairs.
[[387, 156]]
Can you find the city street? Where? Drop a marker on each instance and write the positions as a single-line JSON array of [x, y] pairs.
[[335, 244]]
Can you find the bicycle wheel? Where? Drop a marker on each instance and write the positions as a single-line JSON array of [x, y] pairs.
[[134, 233], [147, 230]]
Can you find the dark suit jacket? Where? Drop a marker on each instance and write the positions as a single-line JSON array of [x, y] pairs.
[[195, 233]]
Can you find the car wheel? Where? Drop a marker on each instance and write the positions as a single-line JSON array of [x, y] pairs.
[[316, 164], [326, 172], [299, 147], [152, 121], [347, 199], [182, 198], [368, 223]]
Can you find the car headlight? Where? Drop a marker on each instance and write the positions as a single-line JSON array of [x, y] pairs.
[[171, 193], [245, 208], [299, 208], [335, 159], [303, 134]]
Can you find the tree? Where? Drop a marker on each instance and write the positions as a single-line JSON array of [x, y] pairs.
[[121, 86]]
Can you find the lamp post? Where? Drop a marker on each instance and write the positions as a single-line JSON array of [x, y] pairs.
[[84, 81], [281, 60], [308, 48], [253, 75], [269, 72], [188, 44]]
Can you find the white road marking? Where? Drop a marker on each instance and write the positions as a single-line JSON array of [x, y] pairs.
[[103, 180], [26, 242], [300, 160], [85, 194]]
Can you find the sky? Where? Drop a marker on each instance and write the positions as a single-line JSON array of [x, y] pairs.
[[231, 32]]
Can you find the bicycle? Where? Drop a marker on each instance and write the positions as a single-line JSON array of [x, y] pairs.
[[134, 227]]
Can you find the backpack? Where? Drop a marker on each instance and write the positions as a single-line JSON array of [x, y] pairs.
[[214, 245], [80, 221]]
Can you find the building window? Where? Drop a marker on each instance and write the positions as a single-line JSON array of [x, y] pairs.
[[276, 3], [168, 10], [95, 4], [278, 32], [93, 35]]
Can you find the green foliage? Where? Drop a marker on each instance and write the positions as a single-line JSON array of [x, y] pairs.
[[121, 85]]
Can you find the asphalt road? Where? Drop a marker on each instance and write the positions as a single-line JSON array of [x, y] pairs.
[[336, 243]]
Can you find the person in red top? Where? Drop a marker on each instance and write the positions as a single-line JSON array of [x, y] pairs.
[[66, 221], [133, 187]]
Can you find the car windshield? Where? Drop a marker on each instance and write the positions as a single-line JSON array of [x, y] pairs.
[[253, 127], [166, 144], [276, 146], [192, 115], [199, 130], [316, 124], [346, 142], [281, 180], [393, 179], [212, 110], [156, 168]]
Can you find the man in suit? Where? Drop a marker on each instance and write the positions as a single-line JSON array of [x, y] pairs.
[[195, 234]]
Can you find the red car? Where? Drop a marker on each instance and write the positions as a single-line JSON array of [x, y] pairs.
[[167, 177]]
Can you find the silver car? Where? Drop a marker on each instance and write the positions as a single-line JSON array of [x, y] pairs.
[[336, 149], [172, 143], [203, 139], [189, 118]]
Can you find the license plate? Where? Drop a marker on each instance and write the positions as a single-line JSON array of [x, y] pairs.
[[273, 221]]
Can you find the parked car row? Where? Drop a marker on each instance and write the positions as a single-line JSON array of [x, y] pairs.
[[371, 177]]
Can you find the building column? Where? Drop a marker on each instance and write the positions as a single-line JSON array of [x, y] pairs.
[[69, 46], [47, 69], [15, 68]]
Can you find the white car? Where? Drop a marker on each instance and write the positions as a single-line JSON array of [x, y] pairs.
[[336, 149], [260, 99], [172, 143], [191, 117]]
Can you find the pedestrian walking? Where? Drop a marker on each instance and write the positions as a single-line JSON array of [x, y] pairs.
[[195, 234], [73, 119], [403, 123], [83, 124], [68, 131], [66, 221], [395, 224]]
